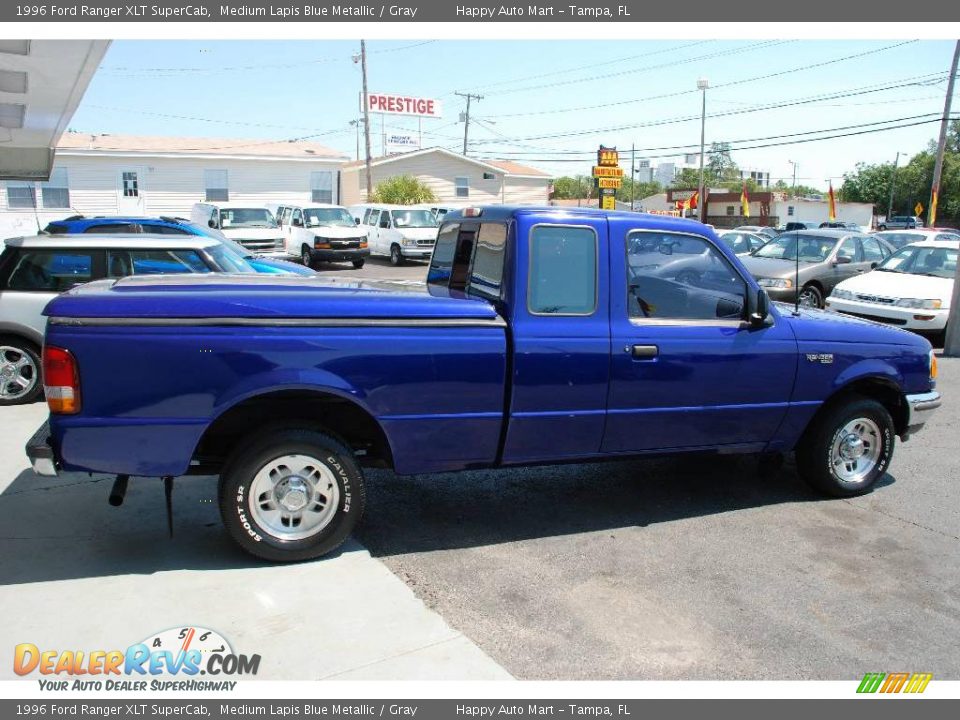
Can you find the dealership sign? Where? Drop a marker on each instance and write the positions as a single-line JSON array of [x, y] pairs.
[[401, 143], [390, 104]]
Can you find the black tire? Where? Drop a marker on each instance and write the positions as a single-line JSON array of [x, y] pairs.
[[359, 263], [396, 257], [19, 358], [816, 455], [882, 228], [237, 481], [815, 295], [306, 257]]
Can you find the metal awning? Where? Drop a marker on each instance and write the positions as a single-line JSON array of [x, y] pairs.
[[41, 84]]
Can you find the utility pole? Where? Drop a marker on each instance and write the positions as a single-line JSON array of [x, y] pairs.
[[793, 187], [466, 116], [633, 174], [951, 346], [366, 116], [356, 124], [702, 86], [893, 186]]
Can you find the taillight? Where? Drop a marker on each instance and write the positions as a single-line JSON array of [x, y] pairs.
[[61, 381]]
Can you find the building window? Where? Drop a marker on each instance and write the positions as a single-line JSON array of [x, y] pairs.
[[790, 210], [489, 176], [462, 186], [55, 192], [730, 209], [321, 186], [216, 185], [21, 195], [131, 186]]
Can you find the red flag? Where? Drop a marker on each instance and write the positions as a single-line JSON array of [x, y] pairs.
[[692, 202]]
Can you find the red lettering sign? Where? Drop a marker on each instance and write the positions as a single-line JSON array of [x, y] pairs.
[[402, 105]]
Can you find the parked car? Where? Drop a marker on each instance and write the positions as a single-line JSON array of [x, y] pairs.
[[323, 233], [899, 238], [901, 222], [825, 258], [253, 227], [911, 289], [397, 231], [80, 225], [536, 339], [743, 242], [841, 225], [34, 270], [795, 225], [765, 230]]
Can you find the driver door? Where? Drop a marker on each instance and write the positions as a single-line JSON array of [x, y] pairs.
[[687, 370]]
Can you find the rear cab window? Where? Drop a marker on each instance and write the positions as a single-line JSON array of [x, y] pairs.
[[469, 257]]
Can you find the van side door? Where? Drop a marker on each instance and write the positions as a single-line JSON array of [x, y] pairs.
[[687, 369]]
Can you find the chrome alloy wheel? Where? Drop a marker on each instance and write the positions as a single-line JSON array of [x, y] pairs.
[[294, 497], [18, 373], [856, 450]]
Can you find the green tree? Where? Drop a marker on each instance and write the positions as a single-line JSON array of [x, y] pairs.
[[569, 188], [637, 190], [720, 166], [402, 190]]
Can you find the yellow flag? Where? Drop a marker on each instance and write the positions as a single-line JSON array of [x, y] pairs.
[[933, 210], [917, 209], [745, 201]]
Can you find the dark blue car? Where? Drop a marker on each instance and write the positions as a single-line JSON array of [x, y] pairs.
[[80, 225]]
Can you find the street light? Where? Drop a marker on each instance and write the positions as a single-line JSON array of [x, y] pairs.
[[702, 85]]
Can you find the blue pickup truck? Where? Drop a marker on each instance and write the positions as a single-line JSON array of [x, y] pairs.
[[542, 336]]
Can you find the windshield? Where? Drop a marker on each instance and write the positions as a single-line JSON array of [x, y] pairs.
[[247, 218], [899, 239], [915, 260], [328, 217], [230, 260], [413, 219], [813, 249]]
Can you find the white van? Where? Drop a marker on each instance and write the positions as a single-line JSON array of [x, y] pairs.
[[317, 233], [397, 231], [253, 227]]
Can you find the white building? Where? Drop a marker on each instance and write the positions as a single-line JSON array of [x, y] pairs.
[[452, 177], [137, 175], [812, 210]]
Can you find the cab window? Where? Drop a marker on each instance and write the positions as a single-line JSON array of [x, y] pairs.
[[50, 270], [681, 277], [121, 263], [563, 270]]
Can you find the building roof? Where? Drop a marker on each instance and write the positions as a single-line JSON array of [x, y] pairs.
[[507, 167], [152, 145]]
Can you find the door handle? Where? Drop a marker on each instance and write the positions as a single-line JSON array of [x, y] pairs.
[[644, 352]]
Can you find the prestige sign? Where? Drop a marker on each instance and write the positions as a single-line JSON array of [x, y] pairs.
[[390, 104]]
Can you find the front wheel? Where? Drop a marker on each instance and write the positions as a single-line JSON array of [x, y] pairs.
[[882, 228], [396, 257], [291, 495], [306, 257], [19, 371], [811, 297], [848, 448], [358, 263]]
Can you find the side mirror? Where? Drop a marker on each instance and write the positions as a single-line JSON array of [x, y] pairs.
[[212, 223], [873, 265], [843, 260], [356, 220], [758, 308]]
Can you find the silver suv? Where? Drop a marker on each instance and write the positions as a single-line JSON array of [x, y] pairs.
[[35, 270], [901, 222]]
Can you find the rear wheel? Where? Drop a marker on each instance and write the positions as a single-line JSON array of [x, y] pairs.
[[847, 448], [291, 495], [20, 381], [396, 257]]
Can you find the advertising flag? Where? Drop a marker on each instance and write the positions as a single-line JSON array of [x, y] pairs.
[[833, 204], [694, 199], [932, 220], [745, 201]]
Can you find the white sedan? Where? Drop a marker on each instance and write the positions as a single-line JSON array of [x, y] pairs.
[[910, 289]]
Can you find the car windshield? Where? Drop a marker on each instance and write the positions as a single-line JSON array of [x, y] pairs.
[[328, 217], [413, 219], [230, 260], [813, 249], [899, 239], [920, 260], [247, 218]]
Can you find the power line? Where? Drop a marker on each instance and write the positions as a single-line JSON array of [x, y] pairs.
[[731, 83]]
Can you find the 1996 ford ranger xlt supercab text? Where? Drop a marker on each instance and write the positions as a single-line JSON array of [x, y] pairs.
[[543, 335]]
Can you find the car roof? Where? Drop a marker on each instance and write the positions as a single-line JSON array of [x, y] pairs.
[[96, 240], [829, 233], [954, 244], [317, 206]]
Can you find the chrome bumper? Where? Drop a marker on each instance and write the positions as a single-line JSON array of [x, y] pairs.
[[40, 453], [919, 409]]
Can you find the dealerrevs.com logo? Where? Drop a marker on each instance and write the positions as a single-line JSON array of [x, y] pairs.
[[892, 683], [169, 660]]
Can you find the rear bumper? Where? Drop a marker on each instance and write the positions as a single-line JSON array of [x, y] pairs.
[[920, 408], [43, 460]]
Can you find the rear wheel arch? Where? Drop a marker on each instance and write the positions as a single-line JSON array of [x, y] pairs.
[[311, 409]]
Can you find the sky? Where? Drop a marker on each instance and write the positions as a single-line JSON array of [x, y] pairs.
[[546, 103]]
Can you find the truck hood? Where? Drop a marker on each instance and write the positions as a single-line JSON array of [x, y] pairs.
[[263, 296], [900, 285], [418, 233], [823, 326]]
